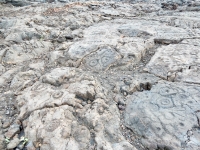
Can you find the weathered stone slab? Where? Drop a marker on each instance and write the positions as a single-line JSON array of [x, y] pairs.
[[183, 22], [80, 50], [164, 115], [42, 95], [102, 59], [178, 62], [106, 43], [26, 51]]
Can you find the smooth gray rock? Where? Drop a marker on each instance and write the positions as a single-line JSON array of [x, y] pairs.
[[164, 115]]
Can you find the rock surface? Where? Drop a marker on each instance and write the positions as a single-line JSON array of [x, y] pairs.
[[165, 115], [100, 75]]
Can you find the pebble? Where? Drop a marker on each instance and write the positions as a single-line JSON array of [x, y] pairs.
[[6, 124], [121, 107]]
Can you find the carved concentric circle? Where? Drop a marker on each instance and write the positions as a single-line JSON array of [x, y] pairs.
[[93, 62], [57, 94], [105, 59], [183, 96], [165, 102]]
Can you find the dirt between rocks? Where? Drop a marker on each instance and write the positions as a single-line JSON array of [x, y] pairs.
[[100, 75]]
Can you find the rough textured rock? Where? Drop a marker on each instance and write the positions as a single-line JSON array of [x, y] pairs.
[[99, 75], [75, 115], [12, 131], [178, 62], [26, 51]]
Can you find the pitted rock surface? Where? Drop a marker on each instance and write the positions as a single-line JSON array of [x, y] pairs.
[[178, 62], [99, 75], [74, 114]]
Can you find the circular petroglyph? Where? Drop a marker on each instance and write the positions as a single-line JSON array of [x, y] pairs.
[[101, 59], [57, 94], [183, 96], [105, 60], [93, 62], [165, 102]]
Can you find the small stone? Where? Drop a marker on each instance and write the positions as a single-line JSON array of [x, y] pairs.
[[190, 133], [7, 112], [84, 103], [69, 37], [60, 40], [13, 143], [121, 102], [125, 93], [121, 107], [6, 124]]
